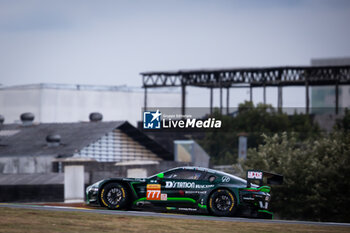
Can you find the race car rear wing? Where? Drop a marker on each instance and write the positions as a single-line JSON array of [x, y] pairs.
[[271, 178]]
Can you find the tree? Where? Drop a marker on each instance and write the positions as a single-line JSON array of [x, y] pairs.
[[344, 123], [222, 144], [315, 185]]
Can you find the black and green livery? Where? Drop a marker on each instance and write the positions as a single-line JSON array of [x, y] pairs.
[[186, 189]]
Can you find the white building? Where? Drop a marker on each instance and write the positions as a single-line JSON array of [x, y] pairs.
[[323, 97], [35, 148], [73, 103]]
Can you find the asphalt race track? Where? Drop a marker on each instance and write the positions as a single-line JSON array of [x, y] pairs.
[[166, 215]]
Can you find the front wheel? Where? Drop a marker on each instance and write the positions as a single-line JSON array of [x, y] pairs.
[[222, 203], [114, 196]]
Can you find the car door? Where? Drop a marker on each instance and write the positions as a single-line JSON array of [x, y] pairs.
[[181, 188]]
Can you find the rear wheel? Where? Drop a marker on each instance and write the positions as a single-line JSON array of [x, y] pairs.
[[222, 203], [114, 196]]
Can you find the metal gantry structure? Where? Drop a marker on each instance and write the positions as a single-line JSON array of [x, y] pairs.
[[249, 78]]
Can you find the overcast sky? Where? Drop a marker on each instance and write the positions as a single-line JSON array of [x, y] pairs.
[[111, 42]]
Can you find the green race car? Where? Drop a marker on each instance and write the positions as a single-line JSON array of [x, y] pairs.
[[188, 189]]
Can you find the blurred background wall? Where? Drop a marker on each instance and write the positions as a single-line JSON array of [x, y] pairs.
[[73, 103]]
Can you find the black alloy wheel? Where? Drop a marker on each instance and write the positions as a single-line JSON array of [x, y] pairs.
[[222, 203]]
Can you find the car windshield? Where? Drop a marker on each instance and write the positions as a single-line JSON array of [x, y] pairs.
[[210, 171], [183, 174], [177, 173]]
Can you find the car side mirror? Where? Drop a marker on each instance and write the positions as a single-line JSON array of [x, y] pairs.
[[160, 176]]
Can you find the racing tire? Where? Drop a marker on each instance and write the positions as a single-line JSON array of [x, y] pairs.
[[114, 196], [222, 203]]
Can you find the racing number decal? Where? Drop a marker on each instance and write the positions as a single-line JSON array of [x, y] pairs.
[[154, 194], [225, 179]]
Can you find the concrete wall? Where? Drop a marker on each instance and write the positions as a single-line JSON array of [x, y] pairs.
[[74, 183], [190, 151], [15, 190], [31, 193], [137, 173], [323, 99], [14, 102], [26, 164], [67, 103], [98, 171], [344, 99]]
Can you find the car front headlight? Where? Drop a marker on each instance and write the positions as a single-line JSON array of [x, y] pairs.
[[94, 186]]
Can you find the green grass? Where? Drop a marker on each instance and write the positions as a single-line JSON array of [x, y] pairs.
[[26, 220]]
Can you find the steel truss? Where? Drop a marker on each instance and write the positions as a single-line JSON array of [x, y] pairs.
[[250, 77]]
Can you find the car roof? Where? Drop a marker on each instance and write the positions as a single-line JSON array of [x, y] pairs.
[[191, 168]]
